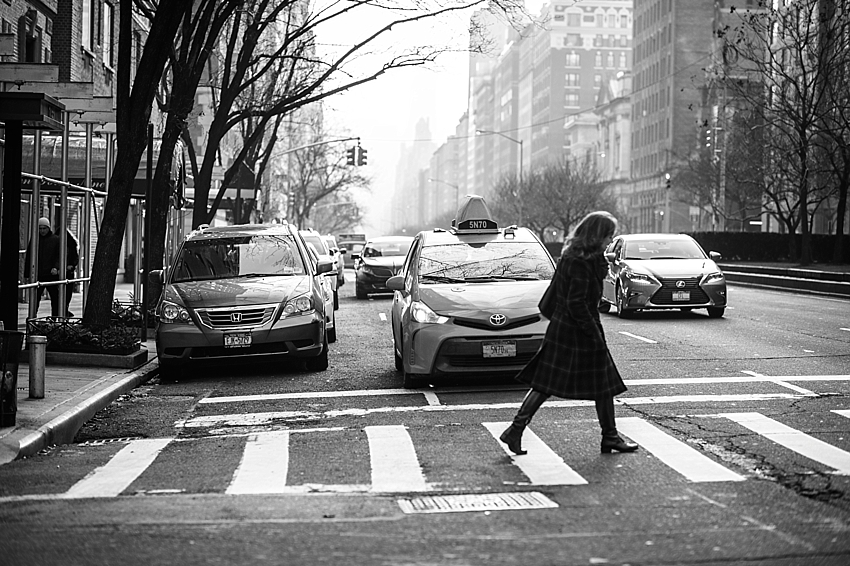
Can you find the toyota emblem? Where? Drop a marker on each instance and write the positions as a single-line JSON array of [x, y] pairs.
[[236, 317], [498, 319], [680, 284]]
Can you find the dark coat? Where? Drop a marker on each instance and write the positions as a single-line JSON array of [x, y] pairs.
[[48, 258], [574, 361]]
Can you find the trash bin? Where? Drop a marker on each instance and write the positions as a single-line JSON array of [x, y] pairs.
[[10, 350]]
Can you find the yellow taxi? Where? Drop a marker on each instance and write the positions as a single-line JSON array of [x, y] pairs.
[[465, 300]]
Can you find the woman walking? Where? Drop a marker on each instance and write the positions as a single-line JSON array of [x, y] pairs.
[[574, 361]]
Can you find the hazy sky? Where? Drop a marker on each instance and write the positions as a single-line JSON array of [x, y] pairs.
[[384, 113]]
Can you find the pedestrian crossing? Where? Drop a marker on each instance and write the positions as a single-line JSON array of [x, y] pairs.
[[395, 467]]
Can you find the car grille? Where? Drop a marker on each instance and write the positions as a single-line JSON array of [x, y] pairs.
[[237, 317], [382, 271], [465, 354], [664, 296], [480, 362], [480, 324]]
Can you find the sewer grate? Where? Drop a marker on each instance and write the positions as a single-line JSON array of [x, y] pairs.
[[476, 502]]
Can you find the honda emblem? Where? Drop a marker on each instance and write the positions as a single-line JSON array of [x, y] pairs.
[[236, 317]]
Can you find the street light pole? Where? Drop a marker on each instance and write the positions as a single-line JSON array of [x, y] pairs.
[[519, 189], [455, 187]]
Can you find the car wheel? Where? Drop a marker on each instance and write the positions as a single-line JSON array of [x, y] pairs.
[[320, 362], [331, 335], [716, 312], [361, 294], [415, 380], [336, 300], [604, 306], [399, 363], [622, 311]]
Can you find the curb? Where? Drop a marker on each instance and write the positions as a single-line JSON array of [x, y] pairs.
[[63, 428], [829, 288]]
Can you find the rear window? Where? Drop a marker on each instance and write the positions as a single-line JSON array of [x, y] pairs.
[[388, 248], [493, 260], [238, 256], [317, 242]]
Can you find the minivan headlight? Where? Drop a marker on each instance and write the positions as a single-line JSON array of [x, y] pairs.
[[298, 305], [173, 313], [422, 313]]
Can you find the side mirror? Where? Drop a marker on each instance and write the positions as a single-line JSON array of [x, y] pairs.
[[355, 256], [324, 266], [396, 283], [715, 256], [343, 251], [156, 276], [610, 256]]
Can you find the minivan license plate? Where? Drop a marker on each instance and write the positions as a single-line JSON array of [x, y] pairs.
[[681, 295], [500, 349], [237, 340]]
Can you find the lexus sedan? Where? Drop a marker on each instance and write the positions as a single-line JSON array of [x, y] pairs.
[[662, 271], [380, 259]]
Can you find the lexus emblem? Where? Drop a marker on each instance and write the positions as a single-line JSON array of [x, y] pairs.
[[680, 284], [498, 319], [236, 317]]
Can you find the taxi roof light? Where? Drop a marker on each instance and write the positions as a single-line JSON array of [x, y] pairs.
[[473, 217]]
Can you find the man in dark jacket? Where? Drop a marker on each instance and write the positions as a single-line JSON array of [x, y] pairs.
[[48, 263]]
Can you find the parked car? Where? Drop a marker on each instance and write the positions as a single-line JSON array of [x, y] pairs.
[[327, 285], [339, 266], [313, 237], [662, 271], [246, 291], [380, 259], [466, 299], [348, 249]]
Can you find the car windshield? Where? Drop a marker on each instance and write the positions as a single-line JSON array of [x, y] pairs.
[[317, 242], [663, 249], [238, 256], [387, 248], [487, 262]]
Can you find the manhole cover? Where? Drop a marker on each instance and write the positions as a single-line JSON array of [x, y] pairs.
[[476, 502]]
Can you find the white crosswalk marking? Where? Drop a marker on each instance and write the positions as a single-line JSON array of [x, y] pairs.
[[264, 465], [541, 465], [842, 412], [116, 475], [675, 453], [395, 467], [793, 439]]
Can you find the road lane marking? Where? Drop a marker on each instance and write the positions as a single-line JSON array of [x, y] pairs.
[[752, 378], [122, 469], [264, 465], [785, 384], [846, 329], [794, 440], [395, 466], [432, 398], [638, 337], [542, 466], [842, 412], [283, 417], [674, 453]]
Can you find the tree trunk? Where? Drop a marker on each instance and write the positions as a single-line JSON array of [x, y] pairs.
[[838, 249]]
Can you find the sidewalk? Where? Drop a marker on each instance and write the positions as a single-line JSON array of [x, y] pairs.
[[72, 393]]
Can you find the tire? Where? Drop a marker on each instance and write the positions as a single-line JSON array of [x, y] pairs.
[[622, 311], [399, 363], [336, 300], [415, 380], [361, 294], [604, 306], [332, 335], [320, 362], [716, 312]]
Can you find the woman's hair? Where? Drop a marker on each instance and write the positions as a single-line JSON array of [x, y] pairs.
[[591, 235]]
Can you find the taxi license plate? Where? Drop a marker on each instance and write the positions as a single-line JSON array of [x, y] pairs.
[[681, 295], [501, 349], [237, 340]]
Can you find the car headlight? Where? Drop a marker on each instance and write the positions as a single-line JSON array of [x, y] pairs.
[[715, 277], [422, 313], [174, 313], [298, 305], [366, 269], [639, 278]]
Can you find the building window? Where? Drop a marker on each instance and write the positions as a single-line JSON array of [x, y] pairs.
[[88, 24], [559, 18], [571, 99], [610, 64], [622, 60], [574, 20], [108, 24], [597, 80], [598, 61], [573, 59], [573, 40], [571, 79]]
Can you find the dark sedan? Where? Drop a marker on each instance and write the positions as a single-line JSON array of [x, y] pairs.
[[662, 271], [380, 259]]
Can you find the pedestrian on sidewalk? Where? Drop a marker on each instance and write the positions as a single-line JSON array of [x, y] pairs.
[[574, 361], [72, 257], [48, 263]]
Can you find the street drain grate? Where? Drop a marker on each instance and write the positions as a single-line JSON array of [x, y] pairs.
[[476, 502]]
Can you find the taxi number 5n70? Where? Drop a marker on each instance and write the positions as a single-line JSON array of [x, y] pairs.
[[500, 349]]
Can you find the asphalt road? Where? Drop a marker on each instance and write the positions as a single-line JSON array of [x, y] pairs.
[[743, 422]]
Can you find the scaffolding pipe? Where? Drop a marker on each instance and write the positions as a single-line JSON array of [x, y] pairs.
[[35, 214], [85, 245], [63, 212]]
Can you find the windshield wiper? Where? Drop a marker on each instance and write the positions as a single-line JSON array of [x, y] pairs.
[[442, 278]]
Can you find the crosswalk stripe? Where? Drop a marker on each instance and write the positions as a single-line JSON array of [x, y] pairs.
[[395, 466], [122, 469], [842, 412], [794, 440], [264, 465], [674, 453], [542, 466]]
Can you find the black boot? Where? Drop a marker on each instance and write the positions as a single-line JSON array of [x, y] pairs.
[[611, 439], [513, 434]]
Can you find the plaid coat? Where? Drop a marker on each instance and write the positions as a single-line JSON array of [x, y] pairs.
[[574, 361]]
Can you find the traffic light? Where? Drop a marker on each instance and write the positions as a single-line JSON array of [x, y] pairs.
[[361, 159], [669, 181], [351, 156]]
